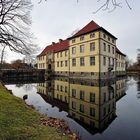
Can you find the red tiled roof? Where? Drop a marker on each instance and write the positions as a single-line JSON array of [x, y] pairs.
[[56, 47], [118, 51], [90, 27]]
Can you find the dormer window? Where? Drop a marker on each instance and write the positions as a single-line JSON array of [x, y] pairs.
[[73, 40], [81, 38], [92, 35], [104, 35]]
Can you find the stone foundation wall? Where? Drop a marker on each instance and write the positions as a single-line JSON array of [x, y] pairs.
[[61, 73], [86, 75], [120, 73], [107, 75]]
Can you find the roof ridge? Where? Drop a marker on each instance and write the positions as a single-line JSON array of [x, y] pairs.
[[55, 47], [92, 25]]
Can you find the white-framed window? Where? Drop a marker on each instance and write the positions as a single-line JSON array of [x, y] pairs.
[[61, 63], [92, 97], [61, 88], [82, 94], [73, 92], [73, 50], [81, 38], [82, 61], [74, 62], [92, 35], [104, 46], [92, 46], [92, 111], [92, 60], [82, 48]]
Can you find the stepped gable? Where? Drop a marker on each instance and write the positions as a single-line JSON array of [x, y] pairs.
[[90, 27], [55, 47]]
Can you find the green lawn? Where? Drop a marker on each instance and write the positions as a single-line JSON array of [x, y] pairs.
[[20, 122]]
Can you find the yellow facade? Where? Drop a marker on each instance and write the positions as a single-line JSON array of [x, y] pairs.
[[61, 90], [120, 64], [42, 62], [103, 106], [104, 54], [107, 52], [42, 88], [61, 61], [86, 54], [120, 88], [90, 55]]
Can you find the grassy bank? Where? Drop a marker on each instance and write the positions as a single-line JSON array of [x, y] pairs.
[[20, 122]]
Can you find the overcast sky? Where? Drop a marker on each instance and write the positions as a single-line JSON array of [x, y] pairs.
[[56, 19]]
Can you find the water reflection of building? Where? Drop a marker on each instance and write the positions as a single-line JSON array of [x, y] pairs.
[[120, 88], [92, 104]]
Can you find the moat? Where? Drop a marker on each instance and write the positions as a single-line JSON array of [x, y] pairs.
[[93, 109]]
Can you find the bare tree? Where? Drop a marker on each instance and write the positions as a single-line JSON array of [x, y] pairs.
[[15, 24], [2, 57], [111, 5]]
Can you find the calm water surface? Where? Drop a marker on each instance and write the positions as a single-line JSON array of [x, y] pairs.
[[95, 110]]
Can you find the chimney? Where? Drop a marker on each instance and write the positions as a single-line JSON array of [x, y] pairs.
[[53, 43], [60, 40]]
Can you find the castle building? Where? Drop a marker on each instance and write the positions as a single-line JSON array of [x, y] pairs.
[[89, 53]]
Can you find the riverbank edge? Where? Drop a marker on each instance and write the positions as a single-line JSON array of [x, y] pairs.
[[54, 131]]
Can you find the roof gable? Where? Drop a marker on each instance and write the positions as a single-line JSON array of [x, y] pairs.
[[88, 28], [55, 47]]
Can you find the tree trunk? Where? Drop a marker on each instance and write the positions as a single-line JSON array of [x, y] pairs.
[[2, 56]]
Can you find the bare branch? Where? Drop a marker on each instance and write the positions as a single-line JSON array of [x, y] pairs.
[[128, 4], [111, 5], [15, 24]]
